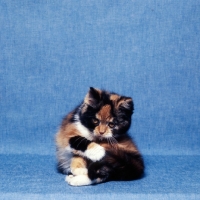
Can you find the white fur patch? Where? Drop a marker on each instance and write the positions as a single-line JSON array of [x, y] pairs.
[[83, 130], [96, 153], [108, 135], [79, 180], [79, 171], [64, 157]]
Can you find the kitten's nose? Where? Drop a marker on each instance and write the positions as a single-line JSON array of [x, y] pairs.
[[102, 129]]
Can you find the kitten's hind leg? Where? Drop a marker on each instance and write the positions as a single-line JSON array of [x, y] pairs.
[[79, 172], [78, 166], [79, 180], [99, 172]]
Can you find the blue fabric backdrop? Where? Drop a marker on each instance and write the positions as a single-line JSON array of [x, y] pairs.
[[52, 51]]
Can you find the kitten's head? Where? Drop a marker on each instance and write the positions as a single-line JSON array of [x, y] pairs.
[[106, 114]]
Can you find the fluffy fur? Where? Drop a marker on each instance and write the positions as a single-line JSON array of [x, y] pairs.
[[92, 143]]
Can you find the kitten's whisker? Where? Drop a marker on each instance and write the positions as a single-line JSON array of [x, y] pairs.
[[110, 142], [113, 138], [78, 138], [114, 142], [108, 139]]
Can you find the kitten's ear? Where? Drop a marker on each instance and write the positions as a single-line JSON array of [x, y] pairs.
[[93, 97], [126, 103]]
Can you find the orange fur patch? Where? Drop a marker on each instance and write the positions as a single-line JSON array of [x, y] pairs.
[[105, 117], [92, 145], [64, 135], [78, 162], [114, 97], [125, 144], [104, 113]]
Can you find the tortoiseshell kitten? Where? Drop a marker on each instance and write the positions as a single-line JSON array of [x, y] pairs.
[[92, 143]]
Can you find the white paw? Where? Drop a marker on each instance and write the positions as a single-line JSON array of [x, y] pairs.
[[79, 180], [95, 153], [68, 177], [79, 171]]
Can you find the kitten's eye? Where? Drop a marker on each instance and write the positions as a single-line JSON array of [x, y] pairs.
[[111, 124], [95, 121]]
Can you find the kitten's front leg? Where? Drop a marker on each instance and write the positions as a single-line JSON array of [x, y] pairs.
[[78, 166], [79, 172], [87, 148], [95, 152]]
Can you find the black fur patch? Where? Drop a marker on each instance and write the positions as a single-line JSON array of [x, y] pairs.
[[125, 165], [120, 166], [73, 118], [99, 169], [79, 143]]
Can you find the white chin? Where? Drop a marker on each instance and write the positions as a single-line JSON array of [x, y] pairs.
[[104, 136]]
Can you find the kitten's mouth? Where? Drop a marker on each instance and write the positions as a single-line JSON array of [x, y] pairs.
[[100, 137]]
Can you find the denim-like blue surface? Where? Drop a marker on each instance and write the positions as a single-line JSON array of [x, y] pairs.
[[31, 175], [52, 51]]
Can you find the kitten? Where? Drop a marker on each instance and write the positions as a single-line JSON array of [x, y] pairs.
[[92, 143]]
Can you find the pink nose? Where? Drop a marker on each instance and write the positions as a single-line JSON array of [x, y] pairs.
[[101, 133]]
